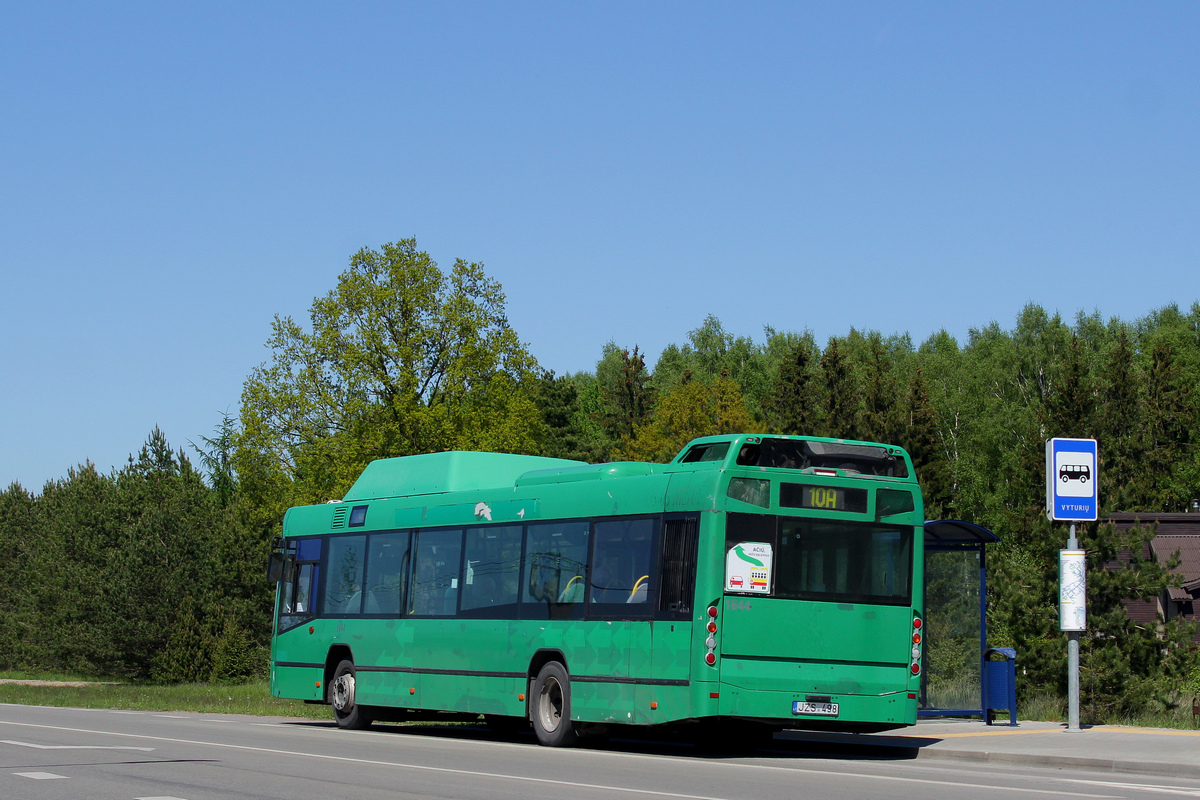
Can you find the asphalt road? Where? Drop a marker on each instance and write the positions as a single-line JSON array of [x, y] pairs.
[[112, 755]]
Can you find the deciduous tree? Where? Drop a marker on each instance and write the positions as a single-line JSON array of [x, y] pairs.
[[689, 410], [399, 358]]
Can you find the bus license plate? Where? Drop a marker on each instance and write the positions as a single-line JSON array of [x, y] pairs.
[[818, 709]]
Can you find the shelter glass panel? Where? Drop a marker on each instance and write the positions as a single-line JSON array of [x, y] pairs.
[[952, 630]]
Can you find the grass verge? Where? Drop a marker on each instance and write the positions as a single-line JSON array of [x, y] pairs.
[[246, 698], [1054, 709]]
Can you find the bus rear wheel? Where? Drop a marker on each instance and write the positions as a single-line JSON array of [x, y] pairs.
[[346, 710], [551, 712]]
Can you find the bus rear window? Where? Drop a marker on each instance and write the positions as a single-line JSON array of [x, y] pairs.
[[832, 560], [861, 459]]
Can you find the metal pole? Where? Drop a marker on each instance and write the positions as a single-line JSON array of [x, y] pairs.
[[1073, 661], [983, 676]]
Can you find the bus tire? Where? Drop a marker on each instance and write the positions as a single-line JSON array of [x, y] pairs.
[[551, 707], [346, 710]]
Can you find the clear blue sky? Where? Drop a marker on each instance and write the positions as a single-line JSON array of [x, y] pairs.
[[175, 174]]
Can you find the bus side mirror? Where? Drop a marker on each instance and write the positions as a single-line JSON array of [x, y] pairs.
[[275, 567]]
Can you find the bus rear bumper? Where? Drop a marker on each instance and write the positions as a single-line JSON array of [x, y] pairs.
[[836, 712]]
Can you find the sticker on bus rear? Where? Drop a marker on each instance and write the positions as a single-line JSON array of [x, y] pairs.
[[748, 568]]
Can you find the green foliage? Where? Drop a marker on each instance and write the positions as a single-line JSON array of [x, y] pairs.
[[400, 359], [795, 401], [625, 392], [712, 352], [107, 564], [689, 410], [571, 429], [18, 549], [217, 458], [235, 657], [841, 395], [921, 436], [186, 657], [1125, 667]]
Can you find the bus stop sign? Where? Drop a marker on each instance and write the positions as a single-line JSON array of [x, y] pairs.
[[1072, 480]]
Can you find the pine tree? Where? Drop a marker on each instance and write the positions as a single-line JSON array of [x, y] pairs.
[[1119, 426], [627, 392], [1168, 420], [881, 417], [842, 419], [795, 402], [922, 439]]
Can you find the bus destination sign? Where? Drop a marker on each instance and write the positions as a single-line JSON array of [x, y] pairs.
[[823, 498]]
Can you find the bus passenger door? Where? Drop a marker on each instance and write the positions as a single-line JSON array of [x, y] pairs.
[[664, 694]]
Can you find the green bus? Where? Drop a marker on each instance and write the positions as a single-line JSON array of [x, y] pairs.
[[754, 583]]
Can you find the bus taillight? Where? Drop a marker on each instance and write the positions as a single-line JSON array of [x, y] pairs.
[[710, 657], [915, 666]]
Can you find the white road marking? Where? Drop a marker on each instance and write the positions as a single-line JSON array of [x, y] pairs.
[[74, 746], [158, 798], [549, 781], [169, 716], [40, 776], [127, 712], [1186, 791]]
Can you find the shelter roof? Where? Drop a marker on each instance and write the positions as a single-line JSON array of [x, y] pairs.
[[955, 531]]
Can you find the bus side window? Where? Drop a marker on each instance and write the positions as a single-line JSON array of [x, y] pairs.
[[622, 565], [554, 570], [438, 555], [492, 571], [387, 573], [344, 574]]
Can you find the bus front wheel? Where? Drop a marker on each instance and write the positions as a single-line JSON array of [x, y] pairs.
[[551, 712], [346, 710]]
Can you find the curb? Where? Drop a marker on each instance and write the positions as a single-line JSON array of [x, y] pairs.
[[1164, 770], [898, 748]]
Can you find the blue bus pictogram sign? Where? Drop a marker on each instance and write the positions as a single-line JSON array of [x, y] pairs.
[[1071, 479]]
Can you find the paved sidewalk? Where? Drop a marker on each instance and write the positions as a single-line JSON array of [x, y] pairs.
[[1101, 748]]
